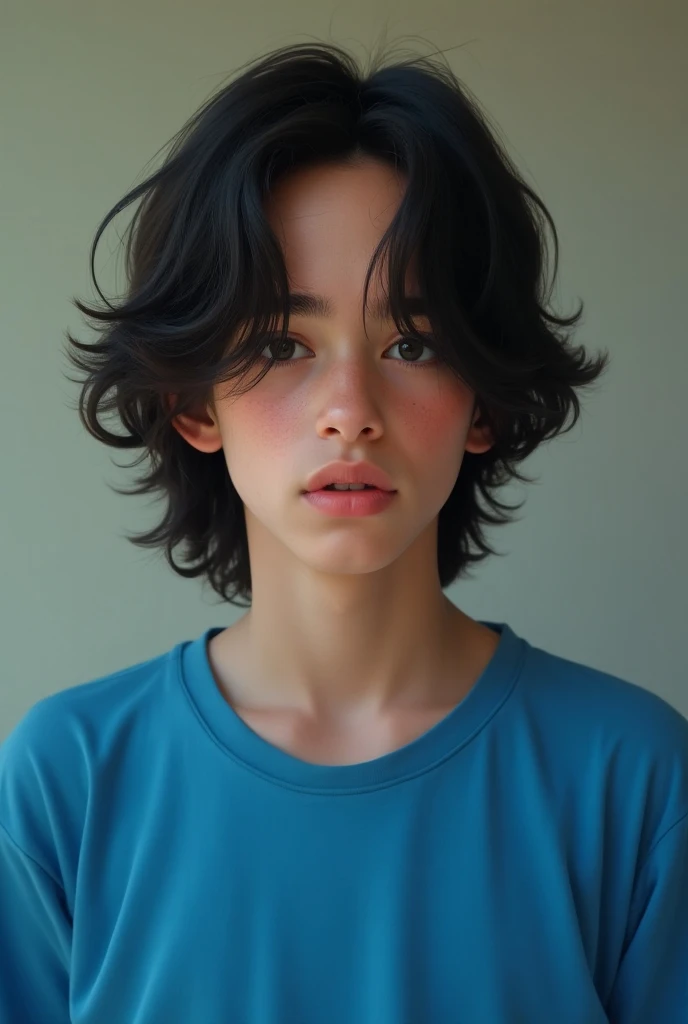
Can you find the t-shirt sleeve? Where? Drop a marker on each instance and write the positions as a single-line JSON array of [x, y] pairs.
[[652, 979], [35, 941]]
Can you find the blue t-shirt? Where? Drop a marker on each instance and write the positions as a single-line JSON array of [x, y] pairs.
[[524, 861]]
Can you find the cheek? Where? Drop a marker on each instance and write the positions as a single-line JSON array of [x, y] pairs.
[[259, 429], [435, 431]]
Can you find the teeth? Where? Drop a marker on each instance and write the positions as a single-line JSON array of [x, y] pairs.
[[345, 487]]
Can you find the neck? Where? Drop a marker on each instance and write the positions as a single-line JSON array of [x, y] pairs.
[[332, 646]]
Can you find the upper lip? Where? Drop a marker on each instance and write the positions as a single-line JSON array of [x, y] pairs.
[[349, 473]]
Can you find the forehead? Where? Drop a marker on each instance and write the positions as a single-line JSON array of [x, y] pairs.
[[329, 220], [333, 214], [336, 190], [308, 304]]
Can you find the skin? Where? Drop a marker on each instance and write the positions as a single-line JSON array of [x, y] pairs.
[[350, 648]]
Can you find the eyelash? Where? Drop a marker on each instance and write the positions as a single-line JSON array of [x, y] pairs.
[[290, 362]]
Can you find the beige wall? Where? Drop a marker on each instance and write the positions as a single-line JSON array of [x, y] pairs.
[[591, 100]]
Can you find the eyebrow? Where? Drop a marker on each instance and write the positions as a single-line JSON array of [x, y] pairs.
[[305, 304]]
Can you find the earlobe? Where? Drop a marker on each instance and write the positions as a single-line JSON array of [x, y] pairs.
[[479, 437], [478, 441], [200, 428]]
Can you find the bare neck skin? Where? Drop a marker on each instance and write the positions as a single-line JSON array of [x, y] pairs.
[[340, 648]]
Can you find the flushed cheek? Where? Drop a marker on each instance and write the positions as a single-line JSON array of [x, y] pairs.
[[261, 432], [435, 433]]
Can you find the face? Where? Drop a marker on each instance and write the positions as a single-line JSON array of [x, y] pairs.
[[339, 392]]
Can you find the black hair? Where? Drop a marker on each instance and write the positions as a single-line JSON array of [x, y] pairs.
[[202, 263]]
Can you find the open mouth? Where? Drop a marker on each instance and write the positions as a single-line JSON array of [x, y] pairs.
[[366, 487]]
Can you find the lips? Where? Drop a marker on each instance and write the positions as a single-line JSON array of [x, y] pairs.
[[350, 473], [339, 504]]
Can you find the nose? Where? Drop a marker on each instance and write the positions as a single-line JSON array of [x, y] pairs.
[[350, 401]]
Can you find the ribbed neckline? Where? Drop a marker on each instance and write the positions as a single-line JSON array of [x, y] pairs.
[[435, 745]]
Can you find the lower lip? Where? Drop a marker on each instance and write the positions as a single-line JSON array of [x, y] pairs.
[[349, 503]]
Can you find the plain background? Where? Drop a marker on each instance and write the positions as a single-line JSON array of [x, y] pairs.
[[590, 99]]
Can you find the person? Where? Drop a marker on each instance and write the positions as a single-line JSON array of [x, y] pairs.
[[356, 804]]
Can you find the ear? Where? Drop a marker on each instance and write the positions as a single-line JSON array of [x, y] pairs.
[[198, 426], [479, 438]]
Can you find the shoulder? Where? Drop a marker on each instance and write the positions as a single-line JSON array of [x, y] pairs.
[[51, 759], [77, 712], [622, 737], [605, 704], [580, 688]]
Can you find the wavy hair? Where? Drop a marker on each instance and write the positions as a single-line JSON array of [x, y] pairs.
[[203, 267]]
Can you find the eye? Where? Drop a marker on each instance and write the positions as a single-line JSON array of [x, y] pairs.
[[274, 343], [414, 344], [411, 343]]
